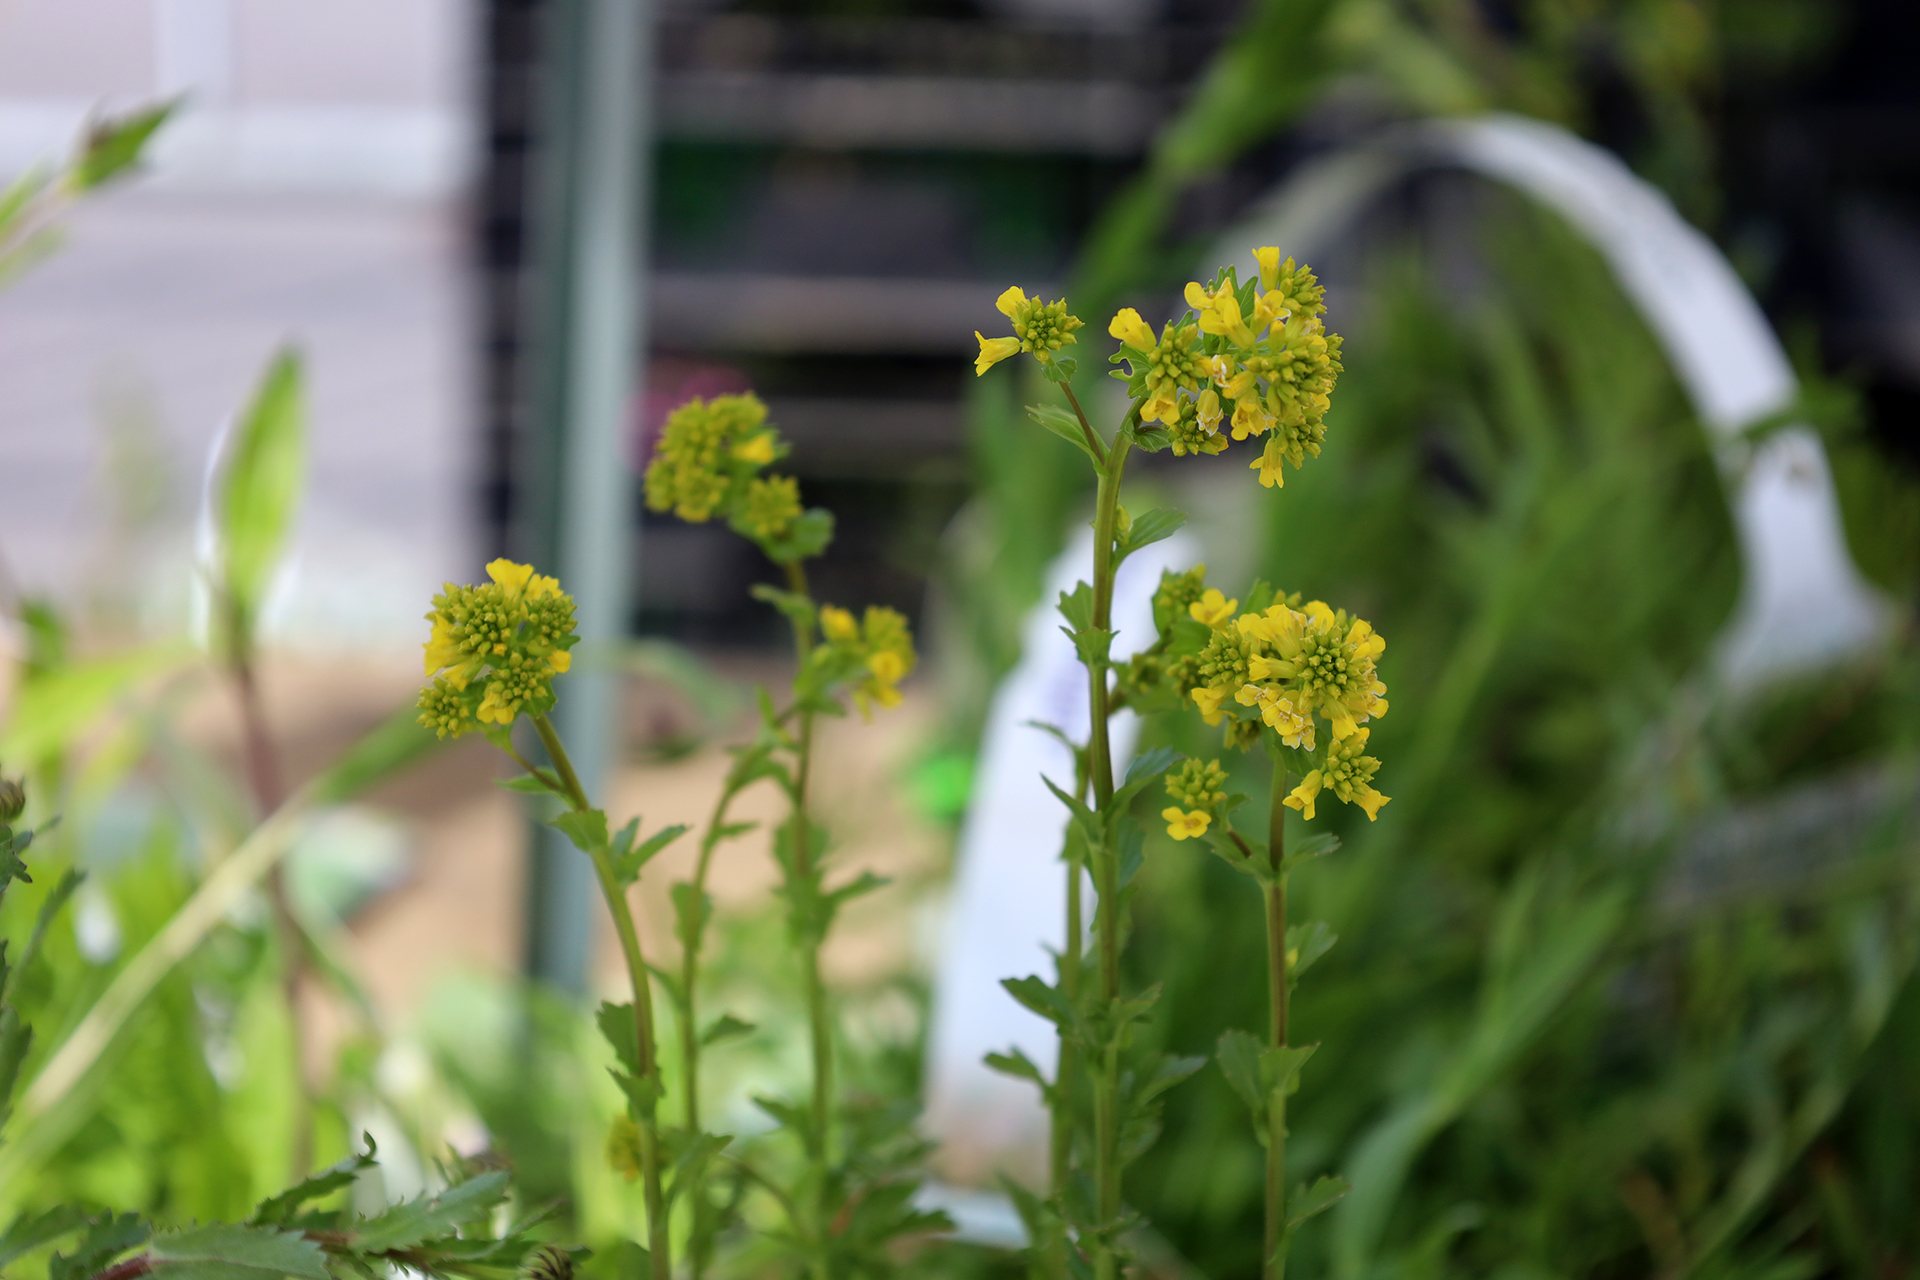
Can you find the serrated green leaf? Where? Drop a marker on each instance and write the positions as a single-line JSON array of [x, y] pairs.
[[1317, 845], [1076, 606], [31, 1232], [259, 492], [106, 1239], [643, 1092], [337, 1177], [427, 1216], [226, 1251], [1141, 774], [1089, 824]]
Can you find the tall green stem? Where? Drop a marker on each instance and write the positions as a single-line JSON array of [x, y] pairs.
[[658, 1242], [690, 1008], [1106, 1099], [1275, 1266]]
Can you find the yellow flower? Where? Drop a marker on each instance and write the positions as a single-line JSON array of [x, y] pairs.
[[1269, 260], [1208, 411], [1219, 313], [1212, 608], [993, 351], [442, 652], [1012, 302], [512, 578], [1303, 796], [1184, 825], [1271, 464], [1347, 774], [888, 667], [758, 450], [560, 660], [1131, 329], [1162, 406], [838, 625], [1286, 717], [1209, 700], [1250, 417]]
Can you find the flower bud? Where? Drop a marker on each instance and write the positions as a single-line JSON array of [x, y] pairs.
[[13, 799]]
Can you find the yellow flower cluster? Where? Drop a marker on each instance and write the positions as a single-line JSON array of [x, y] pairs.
[[1041, 328], [1254, 359], [881, 644], [1197, 789], [495, 649], [708, 457], [1290, 665]]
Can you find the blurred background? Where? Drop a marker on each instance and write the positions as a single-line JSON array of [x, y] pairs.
[[1624, 984]]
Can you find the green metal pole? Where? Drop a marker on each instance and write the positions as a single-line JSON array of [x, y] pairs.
[[588, 344]]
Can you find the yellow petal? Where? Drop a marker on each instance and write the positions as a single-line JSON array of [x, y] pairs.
[[509, 575], [560, 660], [1269, 260], [1131, 329], [758, 450], [1197, 296], [1011, 301], [993, 351]]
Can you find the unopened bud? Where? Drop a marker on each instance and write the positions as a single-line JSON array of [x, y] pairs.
[[13, 799]]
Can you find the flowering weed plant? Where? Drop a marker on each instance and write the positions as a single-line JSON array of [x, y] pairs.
[[1253, 361]]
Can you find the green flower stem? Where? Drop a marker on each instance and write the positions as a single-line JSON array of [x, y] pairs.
[[1275, 1266], [815, 992], [689, 1011], [1106, 1100], [1067, 1068], [659, 1244]]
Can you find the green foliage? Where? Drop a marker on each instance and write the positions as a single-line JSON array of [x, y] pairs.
[[258, 495], [1528, 1012]]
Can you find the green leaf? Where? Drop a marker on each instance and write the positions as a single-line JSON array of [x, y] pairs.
[[1018, 1065], [29, 1233], [1141, 774], [643, 1092], [1239, 1057], [1306, 1201], [1093, 646], [691, 910], [1064, 425], [1308, 942], [1280, 1067], [1089, 825], [1314, 846], [797, 608], [587, 830], [616, 1024], [1043, 998], [527, 784], [114, 146], [258, 492], [431, 1215], [1168, 1071], [1076, 607], [725, 1027], [1154, 526], [394, 744], [627, 862], [224, 1251], [806, 538], [338, 1177], [692, 1161], [52, 709], [106, 1239]]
